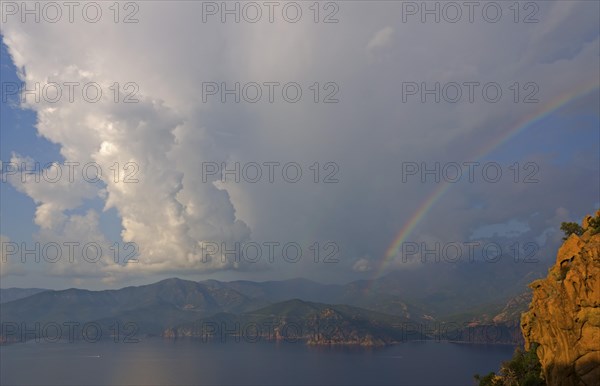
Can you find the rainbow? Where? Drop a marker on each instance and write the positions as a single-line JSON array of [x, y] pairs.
[[425, 206]]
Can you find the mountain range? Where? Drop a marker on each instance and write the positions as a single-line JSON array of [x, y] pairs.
[[389, 309]]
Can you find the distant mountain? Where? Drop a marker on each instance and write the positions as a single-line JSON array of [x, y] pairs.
[[175, 305], [355, 294], [150, 307], [432, 291], [475, 294], [437, 291], [297, 320], [444, 290], [10, 294], [276, 291], [506, 312]]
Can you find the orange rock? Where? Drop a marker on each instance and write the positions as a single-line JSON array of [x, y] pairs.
[[564, 314]]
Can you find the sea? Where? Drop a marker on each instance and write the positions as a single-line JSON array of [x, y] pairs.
[[156, 361]]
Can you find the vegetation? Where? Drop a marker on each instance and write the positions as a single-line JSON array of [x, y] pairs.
[[572, 227], [569, 228], [594, 223], [523, 369]]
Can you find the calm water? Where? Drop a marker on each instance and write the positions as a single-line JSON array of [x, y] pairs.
[[154, 361]]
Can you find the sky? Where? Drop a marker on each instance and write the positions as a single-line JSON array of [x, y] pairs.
[[293, 142]]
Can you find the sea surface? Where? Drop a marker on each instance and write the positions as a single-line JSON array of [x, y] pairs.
[[186, 362]]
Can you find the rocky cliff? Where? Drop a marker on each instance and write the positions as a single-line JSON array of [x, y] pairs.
[[564, 314]]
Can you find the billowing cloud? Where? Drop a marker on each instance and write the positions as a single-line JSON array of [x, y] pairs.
[[4, 268], [172, 210], [362, 265], [51, 188]]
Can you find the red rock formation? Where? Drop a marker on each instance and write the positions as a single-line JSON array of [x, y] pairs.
[[564, 314]]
